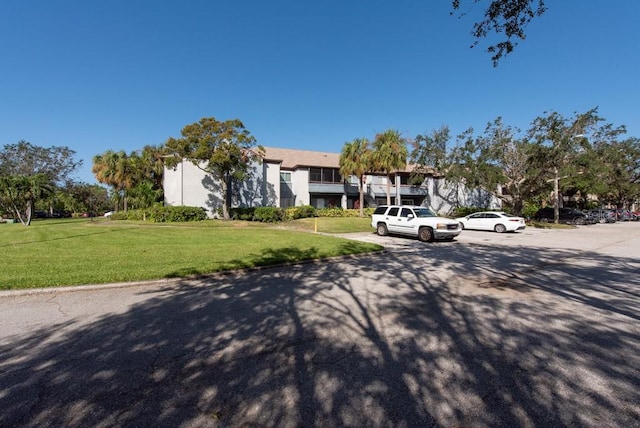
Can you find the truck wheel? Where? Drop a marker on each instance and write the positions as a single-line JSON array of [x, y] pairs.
[[382, 229], [425, 234]]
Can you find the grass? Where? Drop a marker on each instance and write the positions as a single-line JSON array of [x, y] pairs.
[[70, 252], [541, 225], [332, 224]]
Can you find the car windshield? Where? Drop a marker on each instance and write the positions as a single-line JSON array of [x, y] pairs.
[[424, 212]]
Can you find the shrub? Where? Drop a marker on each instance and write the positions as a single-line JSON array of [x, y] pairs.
[[268, 214], [180, 213], [303, 211], [529, 209], [339, 212], [161, 214], [465, 211], [119, 215], [242, 213], [136, 215], [333, 212]]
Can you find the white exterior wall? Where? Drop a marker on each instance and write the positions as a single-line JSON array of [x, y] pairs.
[[189, 186], [271, 185], [184, 186], [172, 183], [443, 197], [300, 183]]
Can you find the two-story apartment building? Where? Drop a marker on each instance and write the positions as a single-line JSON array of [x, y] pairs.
[[290, 177]]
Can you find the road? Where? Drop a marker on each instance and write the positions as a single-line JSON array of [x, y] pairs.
[[536, 328]]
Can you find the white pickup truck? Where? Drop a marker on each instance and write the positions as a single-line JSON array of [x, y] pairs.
[[413, 221]]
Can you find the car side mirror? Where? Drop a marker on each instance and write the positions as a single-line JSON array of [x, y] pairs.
[[410, 216]]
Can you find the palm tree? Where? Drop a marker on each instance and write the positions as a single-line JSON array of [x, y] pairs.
[[389, 155], [355, 159], [153, 165], [114, 169]]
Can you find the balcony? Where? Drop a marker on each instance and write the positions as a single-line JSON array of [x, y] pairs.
[[380, 190], [338, 188], [413, 190]]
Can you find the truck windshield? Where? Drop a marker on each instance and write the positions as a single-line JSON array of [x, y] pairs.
[[424, 212]]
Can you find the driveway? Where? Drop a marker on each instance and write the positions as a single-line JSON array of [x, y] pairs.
[[536, 328]]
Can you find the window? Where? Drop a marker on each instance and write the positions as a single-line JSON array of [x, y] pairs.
[[405, 212], [327, 176], [380, 210], [424, 212], [393, 211], [285, 177], [286, 202], [324, 175], [315, 174]]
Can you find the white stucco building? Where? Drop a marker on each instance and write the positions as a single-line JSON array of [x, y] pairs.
[[290, 177]]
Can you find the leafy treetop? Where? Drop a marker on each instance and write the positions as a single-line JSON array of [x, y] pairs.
[[508, 17]]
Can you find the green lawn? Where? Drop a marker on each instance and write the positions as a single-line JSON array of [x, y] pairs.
[[71, 252], [332, 224]]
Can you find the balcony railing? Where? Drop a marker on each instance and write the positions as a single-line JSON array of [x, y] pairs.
[[380, 190], [326, 187]]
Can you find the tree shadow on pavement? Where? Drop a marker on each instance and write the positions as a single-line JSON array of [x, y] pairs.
[[439, 335]]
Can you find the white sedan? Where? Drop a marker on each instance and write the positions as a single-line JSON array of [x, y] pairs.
[[492, 220]]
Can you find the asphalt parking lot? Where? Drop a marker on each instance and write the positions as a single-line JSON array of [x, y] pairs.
[[534, 328]]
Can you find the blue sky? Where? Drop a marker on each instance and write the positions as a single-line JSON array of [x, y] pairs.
[[121, 74]]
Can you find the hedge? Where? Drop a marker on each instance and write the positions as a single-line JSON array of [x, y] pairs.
[[162, 214]]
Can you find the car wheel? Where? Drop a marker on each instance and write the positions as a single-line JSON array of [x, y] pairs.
[[382, 229], [581, 221], [500, 228], [425, 234]]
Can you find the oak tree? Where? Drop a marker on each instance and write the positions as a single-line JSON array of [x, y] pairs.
[[224, 149], [28, 173], [506, 18]]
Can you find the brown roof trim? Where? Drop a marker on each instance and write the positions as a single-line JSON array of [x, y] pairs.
[[292, 159]]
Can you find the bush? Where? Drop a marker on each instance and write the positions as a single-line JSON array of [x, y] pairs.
[[339, 212], [529, 209], [162, 214], [303, 211], [119, 215], [137, 215], [465, 211], [243, 213], [268, 214], [333, 212]]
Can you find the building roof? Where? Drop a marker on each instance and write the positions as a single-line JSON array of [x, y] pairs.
[[292, 159]]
